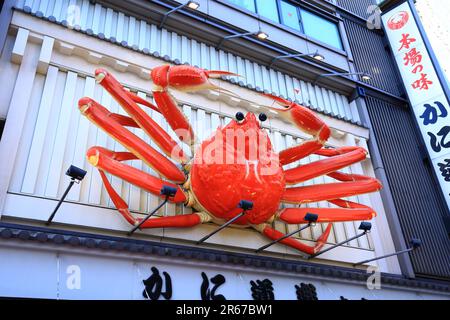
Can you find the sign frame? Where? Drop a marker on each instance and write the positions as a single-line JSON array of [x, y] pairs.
[[387, 7]]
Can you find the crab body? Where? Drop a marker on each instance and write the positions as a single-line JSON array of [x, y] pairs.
[[236, 163], [226, 171]]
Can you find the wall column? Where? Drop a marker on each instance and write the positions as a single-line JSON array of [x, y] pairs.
[[388, 201]]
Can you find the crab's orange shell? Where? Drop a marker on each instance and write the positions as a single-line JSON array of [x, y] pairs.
[[218, 187]]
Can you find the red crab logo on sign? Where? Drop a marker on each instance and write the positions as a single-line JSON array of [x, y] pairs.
[[398, 20]]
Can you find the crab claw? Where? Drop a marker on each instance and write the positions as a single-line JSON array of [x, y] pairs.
[[185, 78], [305, 120], [300, 116], [181, 78], [285, 104], [219, 73]]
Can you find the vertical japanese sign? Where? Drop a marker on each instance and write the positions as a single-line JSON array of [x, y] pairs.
[[427, 97]]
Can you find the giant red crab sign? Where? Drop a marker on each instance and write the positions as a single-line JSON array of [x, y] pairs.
[[236, 163]]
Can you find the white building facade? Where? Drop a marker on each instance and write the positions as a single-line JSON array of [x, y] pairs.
[[47, 64]]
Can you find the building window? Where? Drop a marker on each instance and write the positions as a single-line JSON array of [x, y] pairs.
[[247, 4], [321, 29], [292, 16], [268, 9], [289, 14]]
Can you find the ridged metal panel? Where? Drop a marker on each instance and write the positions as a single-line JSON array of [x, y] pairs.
[[331, 1], [371, 56], [139, 35], [358, 7], [57, 136], [415, 193]]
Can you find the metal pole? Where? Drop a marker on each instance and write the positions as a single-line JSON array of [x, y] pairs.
[[337, 75], [171, 11], [275, 59], [282, 238], [290, 56], [326, 75], [60, 202], [337, 245], [148, 216], [233, 36], [221, 227], [385, 256]]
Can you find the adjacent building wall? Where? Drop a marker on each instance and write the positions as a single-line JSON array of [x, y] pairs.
[[414, 190], [416, 194]]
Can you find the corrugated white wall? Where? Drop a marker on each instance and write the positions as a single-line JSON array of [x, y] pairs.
[[128, 31]]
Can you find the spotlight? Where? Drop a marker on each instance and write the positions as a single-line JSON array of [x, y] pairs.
[[262, 35], [245, 205], [416, 243], [318, 57], [193, 5], [366, 77], [311, 217], [76, 175], [168, 191], [365, 226]]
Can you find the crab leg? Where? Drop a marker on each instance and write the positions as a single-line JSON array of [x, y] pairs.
[[176, 119], [354, 184], [306, 121], [113, 125], [129, 101], [342, 158], [294, 243], [349, 211], [182, 221], [182, 78], [150, 183], [111, 161]]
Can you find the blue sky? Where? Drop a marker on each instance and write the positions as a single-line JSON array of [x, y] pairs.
[[435, 16]]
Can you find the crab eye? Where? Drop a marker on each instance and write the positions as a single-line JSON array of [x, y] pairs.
[[262, 117], [240, 116]]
